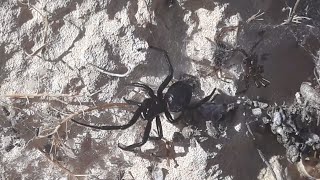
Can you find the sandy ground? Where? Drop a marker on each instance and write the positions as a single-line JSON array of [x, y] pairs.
[[59, 58]]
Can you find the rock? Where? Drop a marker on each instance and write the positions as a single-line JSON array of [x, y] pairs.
[[277, 119], [157, 174], [256, 111], [266, 120], [293, 154], [238, 127], [211, 130]]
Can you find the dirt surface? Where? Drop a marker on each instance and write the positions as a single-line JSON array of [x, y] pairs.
[[74, 59]]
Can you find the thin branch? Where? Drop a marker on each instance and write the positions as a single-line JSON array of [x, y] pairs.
[[250, 131], [26, 96], [110, 73], [255, 17], [68, 118], [291, 13], [267, 163]]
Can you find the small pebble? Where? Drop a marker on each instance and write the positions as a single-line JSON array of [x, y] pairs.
[[263, 105], [238, 127], [298, 97], [256, 111], [219, 146], [277, 120], [157, 174]]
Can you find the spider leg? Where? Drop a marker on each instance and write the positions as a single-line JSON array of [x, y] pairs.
[[169, 77], [264, 56], [169, 117], [256, 44], [202, 101], [246, 79], [144, 139], [257, 82], [132, 102], [242, 51], [131, 122], [264, 81], [145, 87], [159, 129]]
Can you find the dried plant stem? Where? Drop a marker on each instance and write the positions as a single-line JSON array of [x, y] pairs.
[[250, 131], [27, 96], [57, 142], [255, 16], [103, 106], [267, 163], [292, 13], [110, 73]]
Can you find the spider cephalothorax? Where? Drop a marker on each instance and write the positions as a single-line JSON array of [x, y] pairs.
[[176, 99]]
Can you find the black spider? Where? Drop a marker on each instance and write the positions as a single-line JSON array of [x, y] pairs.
[[176, 99]]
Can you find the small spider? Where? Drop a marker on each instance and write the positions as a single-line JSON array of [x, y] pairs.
[[221, 53], [176, 99], [251, 67]]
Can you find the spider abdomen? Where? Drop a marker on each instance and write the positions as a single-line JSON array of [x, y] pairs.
[[178, 96]]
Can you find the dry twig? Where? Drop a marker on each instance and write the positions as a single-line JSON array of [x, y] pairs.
[[267, 163], [68, 118], [293, 17], [255, 17], [57, 140], [110, 73], [43, 95]]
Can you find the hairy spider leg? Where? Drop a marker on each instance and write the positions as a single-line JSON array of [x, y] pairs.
[[257, 82], [131, 122], [169, 77], [258, 79], [145, 87], [264, 56], [263, 81], [256, 44], [169, 117], [246, 81], [132, 102], [246, 55], [159, 129], [145, 138], [223, 31], [202, 101]]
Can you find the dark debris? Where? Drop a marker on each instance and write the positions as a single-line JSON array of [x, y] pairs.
[[298, 133]]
